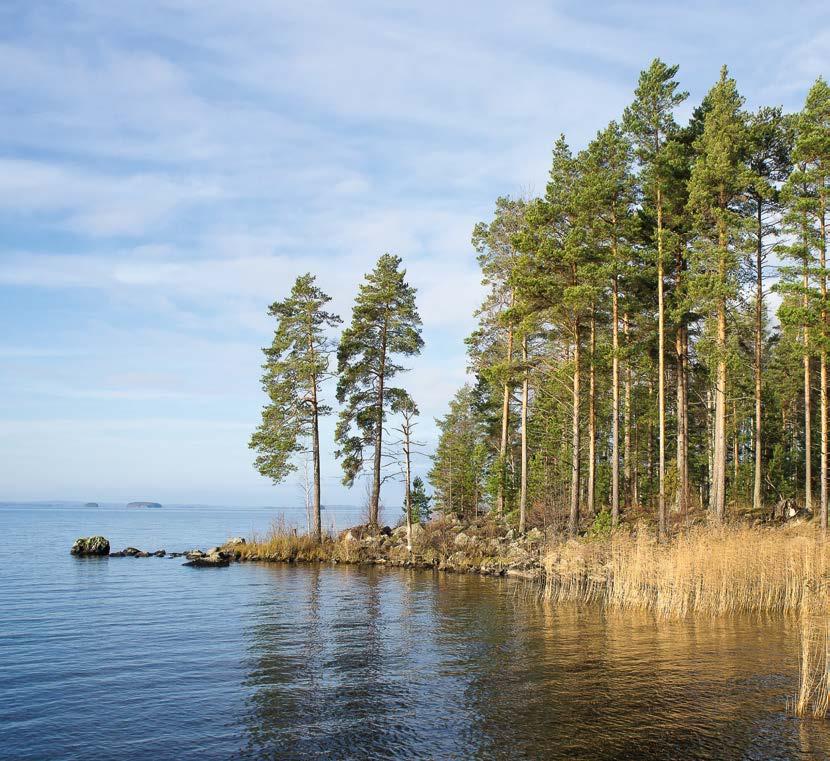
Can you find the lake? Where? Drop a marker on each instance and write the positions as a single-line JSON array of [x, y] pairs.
[[111, 657]]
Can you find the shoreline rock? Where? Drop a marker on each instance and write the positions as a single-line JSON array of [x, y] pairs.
[[91, 546], [475, 547]]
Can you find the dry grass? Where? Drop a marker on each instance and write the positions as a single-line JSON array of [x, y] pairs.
[[281, 543], [813, 697], [712, 571]]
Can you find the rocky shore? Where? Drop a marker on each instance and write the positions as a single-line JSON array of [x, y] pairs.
[[484, 547]]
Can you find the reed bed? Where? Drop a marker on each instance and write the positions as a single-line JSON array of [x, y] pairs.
[[813, 698], [713, 572]]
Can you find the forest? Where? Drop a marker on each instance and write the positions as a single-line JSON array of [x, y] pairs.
[[652, 344]]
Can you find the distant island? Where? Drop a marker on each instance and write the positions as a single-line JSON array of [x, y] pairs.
[[143, 504], [91, 504]]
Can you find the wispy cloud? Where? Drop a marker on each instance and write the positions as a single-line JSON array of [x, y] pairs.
[[168, 169]]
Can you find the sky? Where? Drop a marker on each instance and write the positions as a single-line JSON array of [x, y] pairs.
[[167, 168]]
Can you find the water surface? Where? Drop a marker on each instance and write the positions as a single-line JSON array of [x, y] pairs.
[[109, 657]]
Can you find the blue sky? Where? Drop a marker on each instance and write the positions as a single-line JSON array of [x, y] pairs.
[[168, 167]]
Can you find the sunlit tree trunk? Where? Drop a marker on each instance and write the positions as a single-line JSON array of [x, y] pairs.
[[523, 492], [592, 421], [505, 422], [682, 423], [628, 469], [573, 520], [808, 445], [661, 377], [736, 453], [374, 503], [681, 350], [823, 357], [615, 404], [718, 501], [757, 495]]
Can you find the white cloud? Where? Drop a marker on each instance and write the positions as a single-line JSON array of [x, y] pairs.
[[169, 169]]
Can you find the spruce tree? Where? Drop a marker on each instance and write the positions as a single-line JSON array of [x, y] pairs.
[[296, 363], [420, 501], [460, 462], [385, 326]]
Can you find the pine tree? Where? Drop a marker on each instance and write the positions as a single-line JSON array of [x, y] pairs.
[[555, 280], [385, 325], [491, 347], [608, 196], [718, 182], [296, 363], [812, 176], [650, 120], [769, 138]]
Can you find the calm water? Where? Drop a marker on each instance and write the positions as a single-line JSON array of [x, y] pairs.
[[108, 658]]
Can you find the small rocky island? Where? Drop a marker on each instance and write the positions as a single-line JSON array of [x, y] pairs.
[[144, 504], [91, 504]]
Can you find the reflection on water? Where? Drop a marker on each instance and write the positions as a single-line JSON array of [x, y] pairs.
[[131, 657], [367, 663]]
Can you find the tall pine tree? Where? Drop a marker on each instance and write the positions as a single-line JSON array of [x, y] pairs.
[[296, 363], [385, 326]]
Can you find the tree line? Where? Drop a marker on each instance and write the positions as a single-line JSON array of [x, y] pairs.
[[625, 361]]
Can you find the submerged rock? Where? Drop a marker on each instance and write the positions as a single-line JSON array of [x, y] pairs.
[[91, 545]]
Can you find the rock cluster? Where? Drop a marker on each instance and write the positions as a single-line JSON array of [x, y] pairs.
[[217, 557], [481, 546], [91, 546]]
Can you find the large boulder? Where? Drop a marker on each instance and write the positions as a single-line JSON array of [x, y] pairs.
[[91, 545], [462, 539]]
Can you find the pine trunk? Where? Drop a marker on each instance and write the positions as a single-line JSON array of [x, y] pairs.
[[757, 496], [661, 379], [374, 505], [682, 503], [736, 450], [523, 492], [628, 471], [719, 465], [808, 444], [505, 422], [592, 422], [615, 405], [573, 521], [408, 490], [823, 360], [315, 448]]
